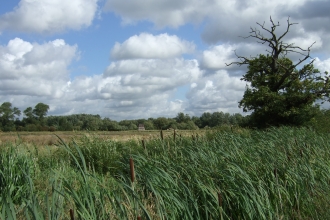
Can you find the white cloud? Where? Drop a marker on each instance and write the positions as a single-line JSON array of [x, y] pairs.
[[131, 88], [35, 69], [218, 56], [226, 20], [124, 94], [149, 46], [177, 67], [217, 92], [49, 16], [149, 78], [322, 65], [163, 13], [306, 39], [111, 97]]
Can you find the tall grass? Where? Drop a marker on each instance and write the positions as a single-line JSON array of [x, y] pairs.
[[281, 173]]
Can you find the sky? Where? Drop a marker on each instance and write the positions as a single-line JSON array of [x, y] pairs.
[[132, 59]]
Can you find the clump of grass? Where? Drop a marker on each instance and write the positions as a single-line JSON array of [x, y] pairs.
[[14, 167]]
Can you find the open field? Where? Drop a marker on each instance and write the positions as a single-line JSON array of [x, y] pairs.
[[50, 138], [281, 173]]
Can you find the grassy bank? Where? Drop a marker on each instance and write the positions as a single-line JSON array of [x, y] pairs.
[[276, 174]]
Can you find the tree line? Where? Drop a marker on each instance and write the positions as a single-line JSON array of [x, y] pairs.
[[36, 119]]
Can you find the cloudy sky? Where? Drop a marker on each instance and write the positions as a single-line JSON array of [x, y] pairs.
[[129, 59]]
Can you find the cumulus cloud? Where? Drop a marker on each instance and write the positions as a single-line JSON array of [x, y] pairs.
[[128, 88], [140, 84], [305, 40], [163, 13], [35, 69], [322, 65], [225, 20], [118, 98], [150, 46], [217, 56], [176, 67], [147, 91], [146, 74], [216, 92], [152, 76], [49, 16], [312, 9]]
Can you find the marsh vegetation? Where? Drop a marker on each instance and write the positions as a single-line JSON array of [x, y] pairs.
[[280, 173]]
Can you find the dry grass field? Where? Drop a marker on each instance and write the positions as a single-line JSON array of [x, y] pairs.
[[50, 138]]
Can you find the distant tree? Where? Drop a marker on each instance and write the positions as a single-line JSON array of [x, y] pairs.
[[91, 122], [321, 121], [197, 121], [40, 111], [278, 92], [226, 118], [190, 125], [148, 125], [115, 127], [161, 123], [217, 119], [29, 116], [237, 119], [8, 114], [206, 119], [65, 124], [181, 117], [132, 126], [112, 125], [28, 112]]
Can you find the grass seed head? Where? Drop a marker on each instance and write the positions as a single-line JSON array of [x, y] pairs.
[[71, 214], [131, 164], [161, 134], [220, 199]]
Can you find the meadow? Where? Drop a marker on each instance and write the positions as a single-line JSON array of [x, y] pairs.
[[279, 173]]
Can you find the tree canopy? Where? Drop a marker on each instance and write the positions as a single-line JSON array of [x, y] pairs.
[[279, 90], [8, 113], [40, 110]]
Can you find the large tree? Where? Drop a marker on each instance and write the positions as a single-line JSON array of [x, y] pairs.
[[30, 118], [8, 114], [280, 91], [40, 111]]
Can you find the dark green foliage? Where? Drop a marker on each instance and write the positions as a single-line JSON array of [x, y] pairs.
[[30, 118], [181, 117], [292, 103], [40, 111], [8, 113], [321, 121], [14, 169], [36, 120], [281, 92], [103, 156]]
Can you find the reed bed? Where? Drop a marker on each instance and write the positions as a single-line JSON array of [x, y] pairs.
[[281, 173]]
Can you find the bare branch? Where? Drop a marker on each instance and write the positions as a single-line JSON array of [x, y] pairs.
[[244, 60], [277, 48]]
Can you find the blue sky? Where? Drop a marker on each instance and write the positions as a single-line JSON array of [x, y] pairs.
[[142, 58]]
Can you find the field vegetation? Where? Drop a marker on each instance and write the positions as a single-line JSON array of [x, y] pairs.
[[230, 173]]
